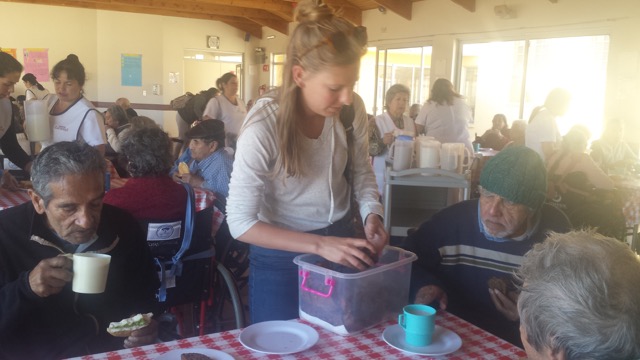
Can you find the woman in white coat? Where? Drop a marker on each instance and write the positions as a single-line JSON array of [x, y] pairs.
[[391, 123], [445, 115]]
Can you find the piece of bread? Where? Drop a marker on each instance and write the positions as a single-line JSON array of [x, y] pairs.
[[124, 327], [499, 284], [183, 168], [193, 356]]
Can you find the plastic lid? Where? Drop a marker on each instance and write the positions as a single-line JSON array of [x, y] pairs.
[[404, 137]]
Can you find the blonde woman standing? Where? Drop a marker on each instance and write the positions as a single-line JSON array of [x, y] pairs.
[[288, 193]]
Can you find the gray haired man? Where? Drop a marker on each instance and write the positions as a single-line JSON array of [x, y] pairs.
[[40, 316], [580, 299]]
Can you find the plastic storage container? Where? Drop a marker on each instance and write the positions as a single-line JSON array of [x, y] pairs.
[[346, 301]]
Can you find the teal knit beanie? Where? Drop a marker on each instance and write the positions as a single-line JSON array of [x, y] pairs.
[[516, 174]]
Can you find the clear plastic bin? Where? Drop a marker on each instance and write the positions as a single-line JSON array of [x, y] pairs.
[[346, 301]]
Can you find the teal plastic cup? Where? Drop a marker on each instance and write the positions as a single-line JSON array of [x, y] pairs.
[[418, 322]]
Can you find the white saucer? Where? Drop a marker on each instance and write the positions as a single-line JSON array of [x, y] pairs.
[[213, 354], [444, 341], [278, 337]]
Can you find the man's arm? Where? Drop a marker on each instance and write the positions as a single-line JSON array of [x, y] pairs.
[[425, 285]]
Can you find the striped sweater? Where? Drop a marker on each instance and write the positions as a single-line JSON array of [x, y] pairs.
[[455, 255]]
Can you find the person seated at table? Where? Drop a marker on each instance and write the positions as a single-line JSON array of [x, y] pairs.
[[211, 165], [117, 126], [41, 317], [611, 152], [517, 133], [468, 251], [126, 105], [580, 299], [498, 136], [581, 189], [150, 193], [414, 110]]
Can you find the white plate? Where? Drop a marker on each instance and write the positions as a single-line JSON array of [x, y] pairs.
[[444, 341], [213, 354], [278, 337]]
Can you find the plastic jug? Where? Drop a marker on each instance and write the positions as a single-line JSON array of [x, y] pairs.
[[401, 153], [37, 125], [453, 155], [427, 152]]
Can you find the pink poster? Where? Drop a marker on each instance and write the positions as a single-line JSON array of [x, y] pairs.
[[36, 61]]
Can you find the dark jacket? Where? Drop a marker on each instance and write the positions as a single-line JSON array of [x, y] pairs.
[[69, 324]]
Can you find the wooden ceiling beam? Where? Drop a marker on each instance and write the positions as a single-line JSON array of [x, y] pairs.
[[346, 10], [467, 4], [268, 5], [277, 25], [400, 7], [286, 16], [243, 25], [247, 26]]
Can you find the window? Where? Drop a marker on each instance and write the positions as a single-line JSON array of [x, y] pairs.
[[513, 77], [277, 67], [407, 66]]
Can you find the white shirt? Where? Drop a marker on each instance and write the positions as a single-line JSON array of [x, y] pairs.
[[312, 201], [81, 121], [447, 123], [35, 93], [543, 128], [219, 107]]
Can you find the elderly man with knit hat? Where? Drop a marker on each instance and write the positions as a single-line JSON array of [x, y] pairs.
[[467, 252]]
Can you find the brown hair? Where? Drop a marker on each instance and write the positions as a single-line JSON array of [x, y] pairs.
[[310, 48]]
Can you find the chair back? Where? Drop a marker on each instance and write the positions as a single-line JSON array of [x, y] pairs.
[[176, 246]]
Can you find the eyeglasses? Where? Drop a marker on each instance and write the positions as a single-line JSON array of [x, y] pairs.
[[339, 41]]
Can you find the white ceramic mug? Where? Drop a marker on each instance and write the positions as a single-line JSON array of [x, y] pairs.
[[90, 272]]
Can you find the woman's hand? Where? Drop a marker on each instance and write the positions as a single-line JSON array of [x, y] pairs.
[[388, 138], [349, 252], [375, 232]]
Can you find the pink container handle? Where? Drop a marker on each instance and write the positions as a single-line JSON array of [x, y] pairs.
[[327, 281]]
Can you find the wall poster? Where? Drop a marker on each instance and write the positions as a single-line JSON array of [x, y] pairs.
[[131, 69], [36, 61]]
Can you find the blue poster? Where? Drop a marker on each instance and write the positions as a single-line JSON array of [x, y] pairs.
[[131, 69]]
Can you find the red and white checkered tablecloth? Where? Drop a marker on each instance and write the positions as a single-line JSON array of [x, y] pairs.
[[368, 344], [204, 199]]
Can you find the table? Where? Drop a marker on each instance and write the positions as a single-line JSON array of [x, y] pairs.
[[204, 199], [368, 344]]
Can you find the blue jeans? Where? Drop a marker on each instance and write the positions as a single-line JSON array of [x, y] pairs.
[[273, 278]]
